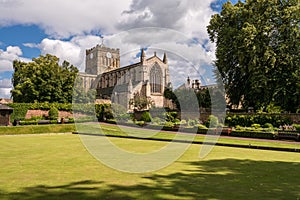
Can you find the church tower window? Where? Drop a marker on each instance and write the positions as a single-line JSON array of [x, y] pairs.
[[156, 79]]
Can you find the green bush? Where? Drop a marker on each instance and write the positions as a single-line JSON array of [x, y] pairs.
[[192, 122], [183, 122], [146, 117], [297, 127], [177, 121], [248, 120], [253, 134], [170, 116], [53, 121], [169, 124], [201, 126], [53, 113], [268, 125], [103, 112], [156, 120], [71, 120], [256, 126], [212, 122], [140, 123]]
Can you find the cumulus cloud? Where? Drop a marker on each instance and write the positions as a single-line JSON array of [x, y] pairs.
[[5, 83], [62, 19], [8, 56], [5, 92], [190, 17], [5, 88]]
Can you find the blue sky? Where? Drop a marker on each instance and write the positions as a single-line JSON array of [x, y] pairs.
[[30, 28]]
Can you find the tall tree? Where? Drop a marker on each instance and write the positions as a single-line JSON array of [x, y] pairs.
[[43, 80], [258, 52]]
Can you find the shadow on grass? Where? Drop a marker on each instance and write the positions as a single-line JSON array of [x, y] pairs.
[[213, 179]]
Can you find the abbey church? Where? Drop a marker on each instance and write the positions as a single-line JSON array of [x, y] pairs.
[[147, 78]]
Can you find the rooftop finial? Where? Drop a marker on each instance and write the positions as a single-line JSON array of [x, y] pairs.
[[143, 56], [102, 41], [165, 59]]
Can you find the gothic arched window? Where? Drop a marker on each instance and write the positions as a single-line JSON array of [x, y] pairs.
[[156, 79]]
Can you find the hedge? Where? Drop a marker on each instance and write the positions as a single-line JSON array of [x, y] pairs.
[[253, 134], [262, 119]]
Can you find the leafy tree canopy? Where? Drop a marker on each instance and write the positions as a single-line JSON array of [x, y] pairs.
[[258, 52], [43, 80]]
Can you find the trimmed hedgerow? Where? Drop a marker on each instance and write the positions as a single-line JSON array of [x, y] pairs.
[[248, 120], [253, 134]]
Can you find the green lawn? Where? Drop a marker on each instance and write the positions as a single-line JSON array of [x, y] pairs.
[[36, 129], [59, 167]]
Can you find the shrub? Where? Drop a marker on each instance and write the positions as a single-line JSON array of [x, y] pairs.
[[248, 120], [53, 113], [192, 122], [201, 126], [70, 120], [53, 121], [177, 121], [170, 116], [212, 122], [156, 120], [297, 127], [140, 123], [169, 124], [268, 125], [146, 117], [183, 122], [256, 126], [262, 135], [103, 112]]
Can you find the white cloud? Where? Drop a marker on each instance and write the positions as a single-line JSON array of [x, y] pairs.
[[5, 88], [5, 83], [8, 56], [5, 92], [64, 18]]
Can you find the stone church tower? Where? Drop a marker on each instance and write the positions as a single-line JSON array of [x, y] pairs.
[[98, 60], [101, 59]]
